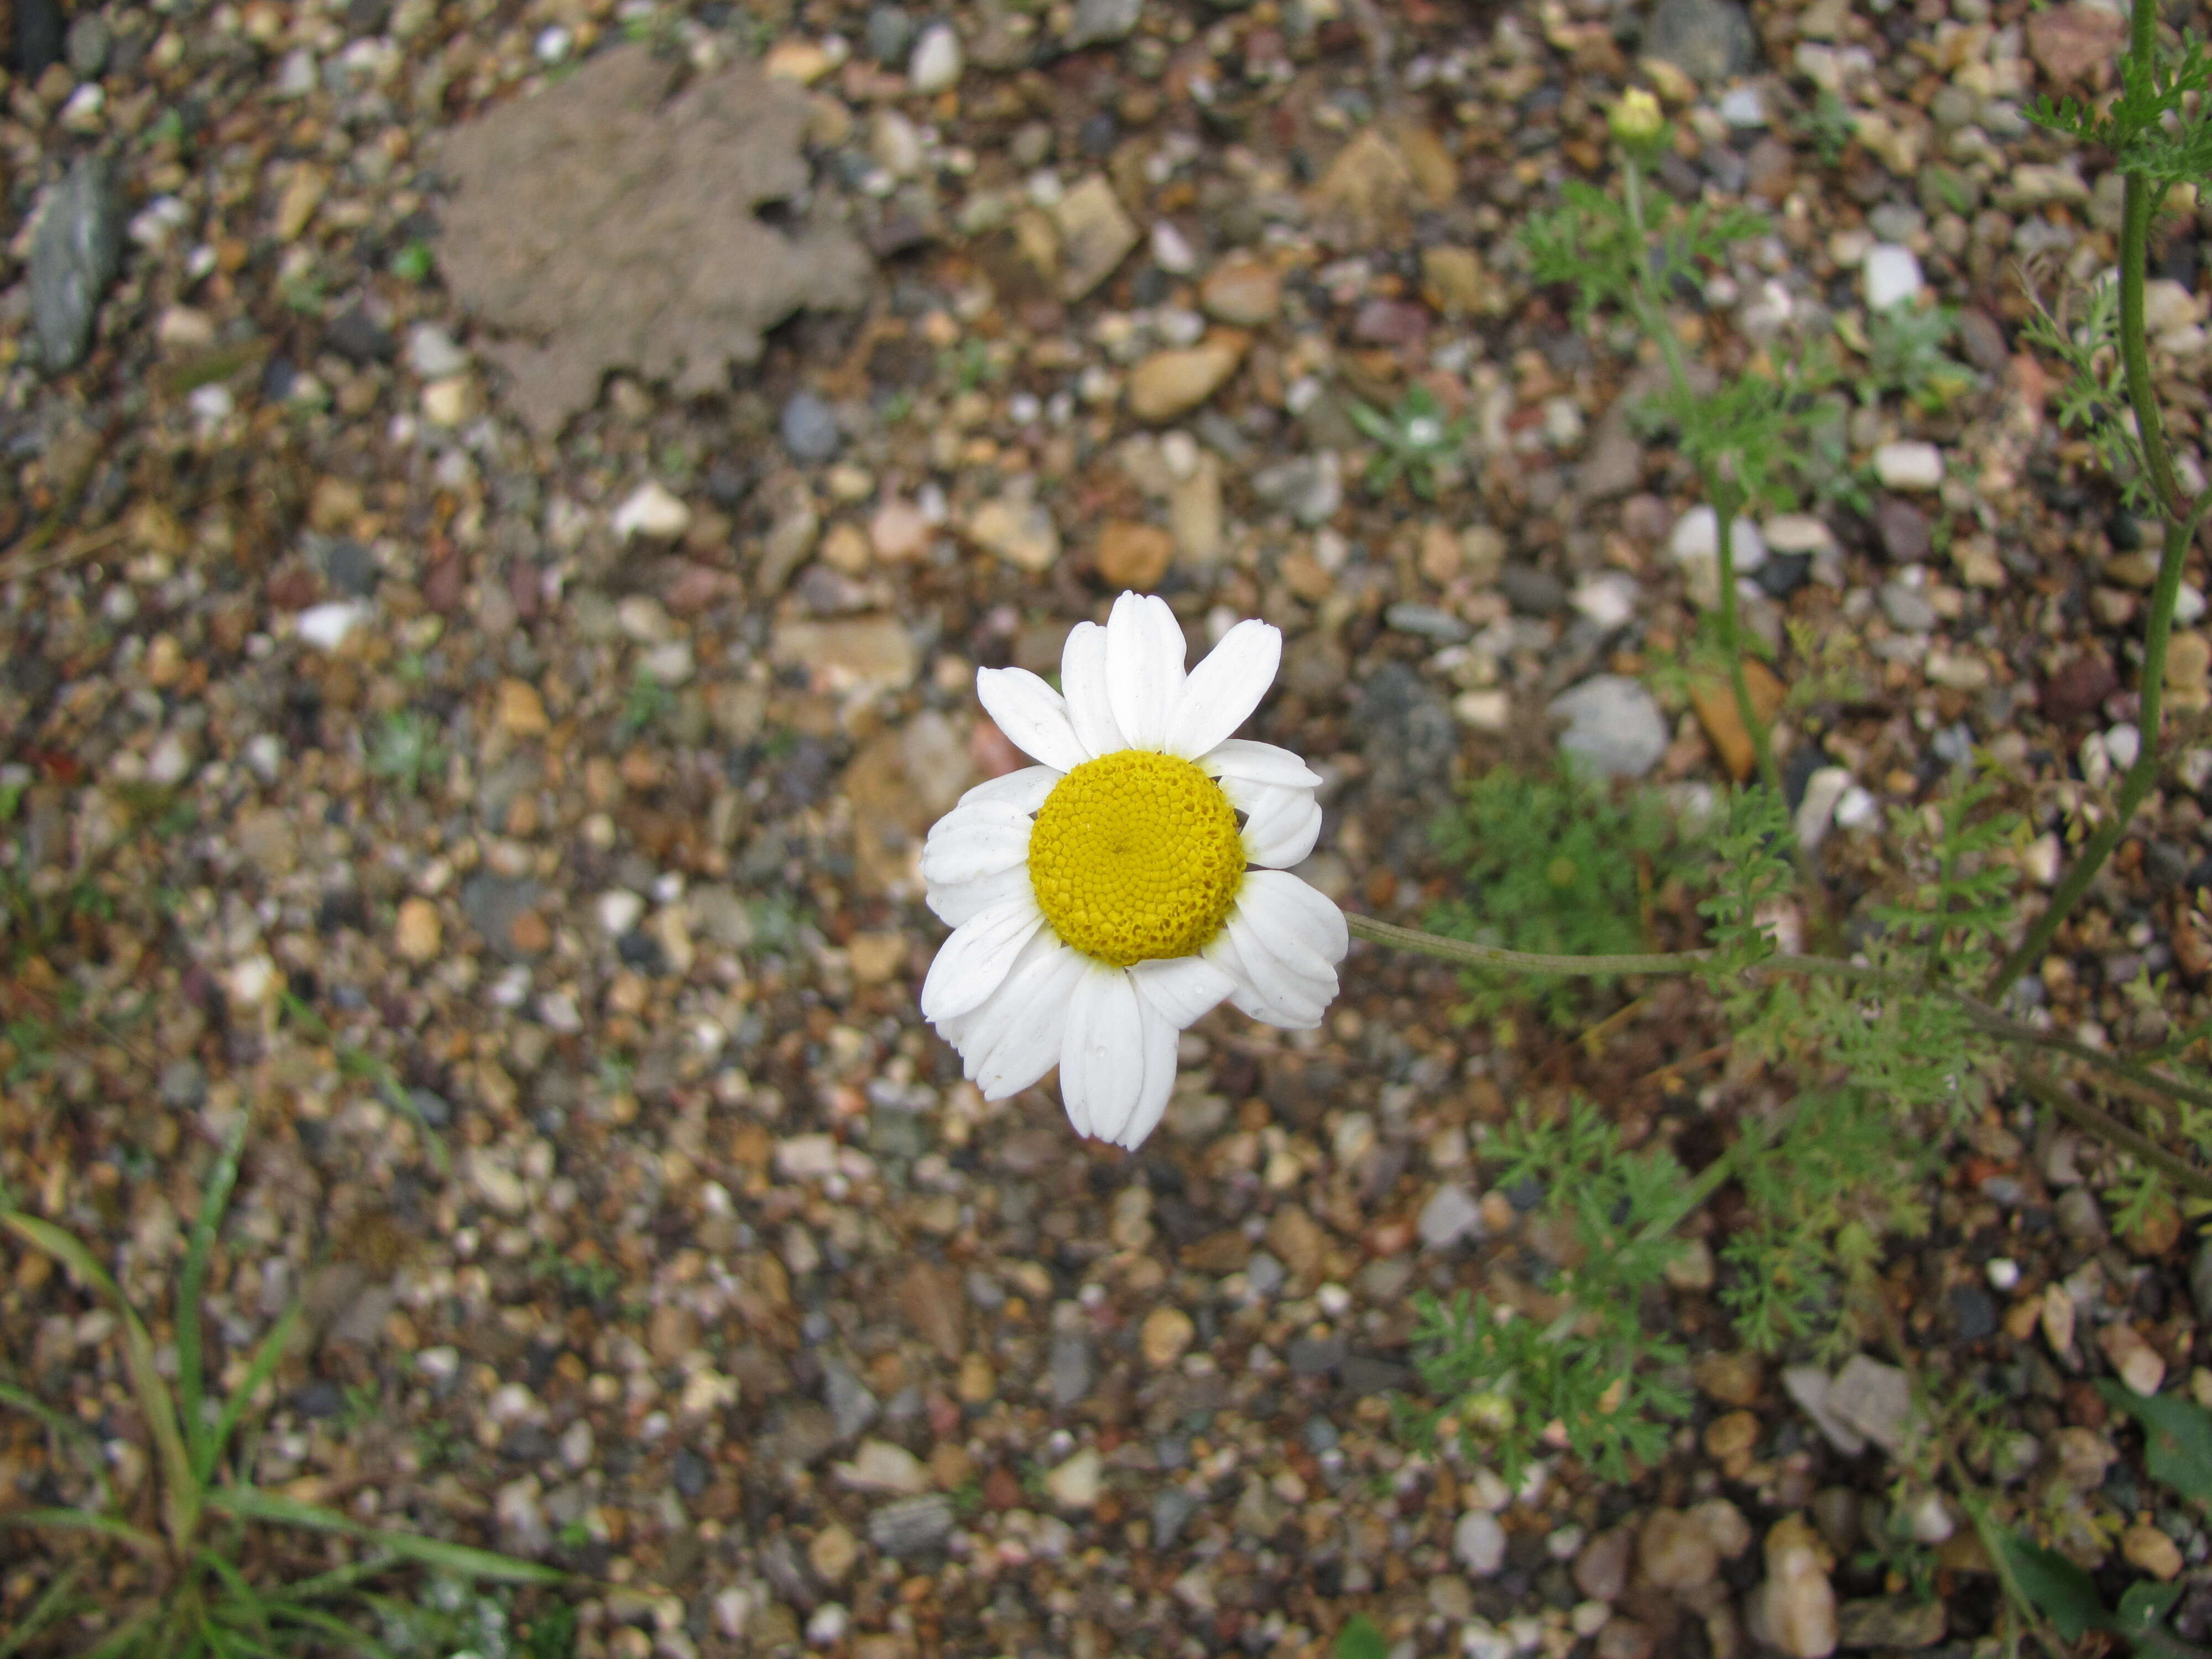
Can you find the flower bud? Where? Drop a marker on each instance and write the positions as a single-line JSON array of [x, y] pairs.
[[1636, 120]]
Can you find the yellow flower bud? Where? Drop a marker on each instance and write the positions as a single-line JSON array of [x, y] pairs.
[[1635, 119]]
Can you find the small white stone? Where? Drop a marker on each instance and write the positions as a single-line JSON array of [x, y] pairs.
[[1450, 1215], [1696, 538], [1909, 466], [1797, 532], [2123, 743], [1891, 276], [937, 60], [1479, 1541], [327, 625], [1171, 250], [1742, 106], [1608, 600], [2188, 604], [651, 512], [2004, 1272], [432, 354], [1857, 809], [1824, 792], [1075, 1485], [619, 910]]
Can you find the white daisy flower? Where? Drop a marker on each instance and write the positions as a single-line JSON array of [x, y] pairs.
[[1104, 899]]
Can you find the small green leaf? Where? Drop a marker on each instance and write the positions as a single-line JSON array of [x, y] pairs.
[[2144, 1605], [2177, 1438], [2062, 1592], [1360, 1639]]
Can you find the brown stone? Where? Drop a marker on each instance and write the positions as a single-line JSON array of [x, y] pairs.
[[2078, 689], [1133, 556], [935, 1303], [1714, 698], [1247, 293], [2076, 42]]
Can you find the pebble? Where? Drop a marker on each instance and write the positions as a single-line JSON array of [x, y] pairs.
[[833, 1553], [1096, 234], [1613, 726], [1710, 40], [1077, 1483], [1816, 811], [1810, 1387], [1020, 530], [418, 932], [1676, 1553], [1795, 1609], [1906, 535], [1909, 465], [1874, 1399], [1478, 1542], [1244, 293], [809, 429], [1450, 1215], [88, 45], [1884, 1622], [1309, 487], [74, 253], [889, 33], [1891, 276], [912, 1525], [2149, 1549], [1168, 383], [432, 353], [1697, 537], [328, 625], [1600, 1571], [880, 1466], [1133, 556], [652, 511], [1099, 23], [1165, 1335], [522, 710], [937, 62]]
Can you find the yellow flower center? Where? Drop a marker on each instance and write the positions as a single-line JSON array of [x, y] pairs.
[[1134, 856]]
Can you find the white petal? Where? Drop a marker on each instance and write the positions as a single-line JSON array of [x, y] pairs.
[[974, 961], [1225, 689], [1026, 789], [1296, 921], [1286, 833], [1032, 715], [1102, 1055], [1258, 762], [1267, 987], [957, 902], [1144, 667], [1083, 681], [1160, 1045], [976, 841], [1181, 989], [1006, 1052]]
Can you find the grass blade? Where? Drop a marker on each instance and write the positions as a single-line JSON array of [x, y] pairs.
[[51, 1605], [120, 1640], [265, 1361], [257, 1613], [330, 1584], [181, 1490], [250, 1504], [86, 1521], [191, 1381]]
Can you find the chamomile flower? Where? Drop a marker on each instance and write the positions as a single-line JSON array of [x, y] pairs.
[[1105, 898]]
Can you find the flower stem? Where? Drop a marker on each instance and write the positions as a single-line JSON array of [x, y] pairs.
[[1986, 1018], [2182, 517]]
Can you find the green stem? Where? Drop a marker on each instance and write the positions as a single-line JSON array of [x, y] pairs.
[[1467, 954], [2105, 1126], [1721, 493], [2138, 207]]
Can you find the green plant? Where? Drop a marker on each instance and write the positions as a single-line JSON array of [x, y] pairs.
[[1904, 355], [649, 701], [1831, 126], [1360, 1637], [205, 1591], [1412, 441], [2178, 1453], [405, 750], [1549, 863], [411, 263]]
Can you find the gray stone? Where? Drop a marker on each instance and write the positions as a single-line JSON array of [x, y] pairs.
[[1310, 488], [1890, 1621], [1874, 1399], [810, 428], [890, 32], [1533, 591], [88, 45], [1098, 21], [1709, 40], [1479, 1541], [1907, 609], [1411, 738], [1433, 622], [1450, 1215], [1810, 1387], [1613, 726], [1073, 1371], [493, 904], [852, 1405], [74, 255], [911, 1525], [1172, 1509], [182, 1085]]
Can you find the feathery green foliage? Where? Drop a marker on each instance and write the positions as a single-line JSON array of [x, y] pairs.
[[1414, 440]]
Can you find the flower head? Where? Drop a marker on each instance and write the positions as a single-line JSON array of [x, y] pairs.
[[1635, 119], [1105, 898]]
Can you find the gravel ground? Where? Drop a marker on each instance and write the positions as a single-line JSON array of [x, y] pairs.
[[507, 787]]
